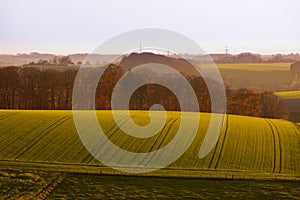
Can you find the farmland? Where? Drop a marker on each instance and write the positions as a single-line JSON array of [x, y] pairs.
[[53, 185], [42, 156], [257, 76], [247, 146], [255, 66], [162, 188], [288, 94]]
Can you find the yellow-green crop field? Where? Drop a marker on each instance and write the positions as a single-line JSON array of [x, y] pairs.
[[257, 76], [255, 66], [288, 94], [248, 147]]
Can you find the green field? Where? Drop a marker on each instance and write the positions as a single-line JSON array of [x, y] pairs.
[[257, 76], [288, 94], [248, 147], [255, 66], [109, 187], [53, 185], [42, 157]]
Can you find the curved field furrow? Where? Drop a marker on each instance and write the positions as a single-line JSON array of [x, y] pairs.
[[277, 148], [74, 153], [55, 138], [171, 122], [221, 143], [165, 133], [248, 152], [261, 150], [246, 144], [233, 158], [269, 148], [131, 143], [15, 124], [124, 142], [191, 155], [289, 140], [280, 142], [19, 152], [230, 157], [214, 151], [89, 157], [9, 142], [7, 115]]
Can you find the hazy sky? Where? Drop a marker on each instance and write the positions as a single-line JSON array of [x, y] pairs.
[[62, 27]]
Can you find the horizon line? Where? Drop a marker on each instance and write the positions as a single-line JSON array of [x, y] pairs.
[[208, 53]]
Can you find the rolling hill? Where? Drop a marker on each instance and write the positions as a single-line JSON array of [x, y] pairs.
[[247, 148]]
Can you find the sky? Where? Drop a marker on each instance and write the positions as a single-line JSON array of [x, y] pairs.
[[72, 26]]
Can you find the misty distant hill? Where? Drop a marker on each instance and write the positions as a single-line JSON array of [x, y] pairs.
[[21, 59], [246, 57]]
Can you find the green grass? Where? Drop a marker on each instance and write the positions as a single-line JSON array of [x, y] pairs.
[[248, 147], [17, 184], [253, 75], [109, 187], [288, 94]]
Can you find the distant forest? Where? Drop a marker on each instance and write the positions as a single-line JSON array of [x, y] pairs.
[[49, 89], [247, 57]]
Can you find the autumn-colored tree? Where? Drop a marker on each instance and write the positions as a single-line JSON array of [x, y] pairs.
[[65, 60], [272, 106], [33, 88]]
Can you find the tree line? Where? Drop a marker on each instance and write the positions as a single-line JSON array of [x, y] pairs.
[[50, 89], [248, 57]]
